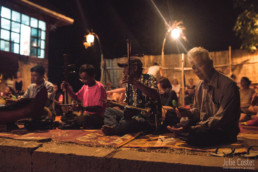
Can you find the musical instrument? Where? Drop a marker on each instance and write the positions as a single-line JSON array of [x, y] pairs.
[[128, 43], [24, 108], [68, 69], [65, 73], [164, 111], [130, 110]]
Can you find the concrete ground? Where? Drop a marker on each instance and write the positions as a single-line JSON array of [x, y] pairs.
[[33, 156]]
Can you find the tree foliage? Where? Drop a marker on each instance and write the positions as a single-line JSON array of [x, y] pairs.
[[246, 26]]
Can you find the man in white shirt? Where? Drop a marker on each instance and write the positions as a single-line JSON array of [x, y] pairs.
[[38, 95], [214, 118], [155, 70], [43, 118]]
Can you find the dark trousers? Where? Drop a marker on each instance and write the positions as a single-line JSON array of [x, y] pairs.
[[189, 99], [171, 119], [93, 121], [115, 118], [208, 138]]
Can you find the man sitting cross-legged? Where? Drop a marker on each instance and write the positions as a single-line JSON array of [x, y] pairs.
[[214, 118], [38, 95], [141, 93], [91, 95]]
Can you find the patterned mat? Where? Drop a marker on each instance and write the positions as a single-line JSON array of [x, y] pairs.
[[169, 141], [97, 138], [87, 137]]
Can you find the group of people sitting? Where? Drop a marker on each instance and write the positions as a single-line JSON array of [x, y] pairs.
[[213, 118], [249, 103], [12, 89]]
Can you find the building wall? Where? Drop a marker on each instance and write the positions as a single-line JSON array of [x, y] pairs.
[[12, 63]]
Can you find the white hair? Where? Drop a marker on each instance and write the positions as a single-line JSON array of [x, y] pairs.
[[199, 52]]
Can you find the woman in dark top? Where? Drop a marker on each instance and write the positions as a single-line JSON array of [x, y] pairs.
[[189, 92], [18, 84], [168, 98], [167, 95], [58, 100]]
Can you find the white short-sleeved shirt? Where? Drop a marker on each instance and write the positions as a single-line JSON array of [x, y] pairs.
[[153, 70]]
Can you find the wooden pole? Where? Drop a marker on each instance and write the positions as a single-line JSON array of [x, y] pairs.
[[128, 44], [183, 81], [163, 47], [230, 60]]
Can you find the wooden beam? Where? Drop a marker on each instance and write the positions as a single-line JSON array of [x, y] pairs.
[[58, 16]]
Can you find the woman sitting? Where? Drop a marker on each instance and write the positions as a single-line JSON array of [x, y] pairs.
[[8, 94], [18, 84], [246, 94], [254, 109], [189, 92], [176, 87], [168, 100]]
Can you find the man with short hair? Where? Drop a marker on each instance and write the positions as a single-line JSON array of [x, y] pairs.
[[214, 117], [142, 93], [38, 82], [92, 96]]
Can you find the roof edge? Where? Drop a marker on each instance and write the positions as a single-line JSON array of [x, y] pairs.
[[52, 13]]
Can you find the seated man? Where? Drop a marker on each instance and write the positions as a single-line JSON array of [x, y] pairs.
[[214, 118], [155, 70], [33, 101], [37, 83], [92, 95], [117, 94], [142, 93]]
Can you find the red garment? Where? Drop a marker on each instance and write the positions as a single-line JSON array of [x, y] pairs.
[[253, 122], [93, 96]]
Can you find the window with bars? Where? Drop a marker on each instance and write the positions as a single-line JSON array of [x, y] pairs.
[[21, 34]]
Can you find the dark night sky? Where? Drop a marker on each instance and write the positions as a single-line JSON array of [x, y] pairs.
[[208, 23]]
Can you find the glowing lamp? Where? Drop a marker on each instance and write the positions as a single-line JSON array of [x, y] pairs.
[[90, 38], [175, 33]]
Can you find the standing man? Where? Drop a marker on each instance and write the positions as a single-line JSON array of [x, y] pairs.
[[91, 95], [143, 93], [214, 117]]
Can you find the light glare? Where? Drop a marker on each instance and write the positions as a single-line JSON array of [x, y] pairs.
[[176, 33], [90, 38]]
